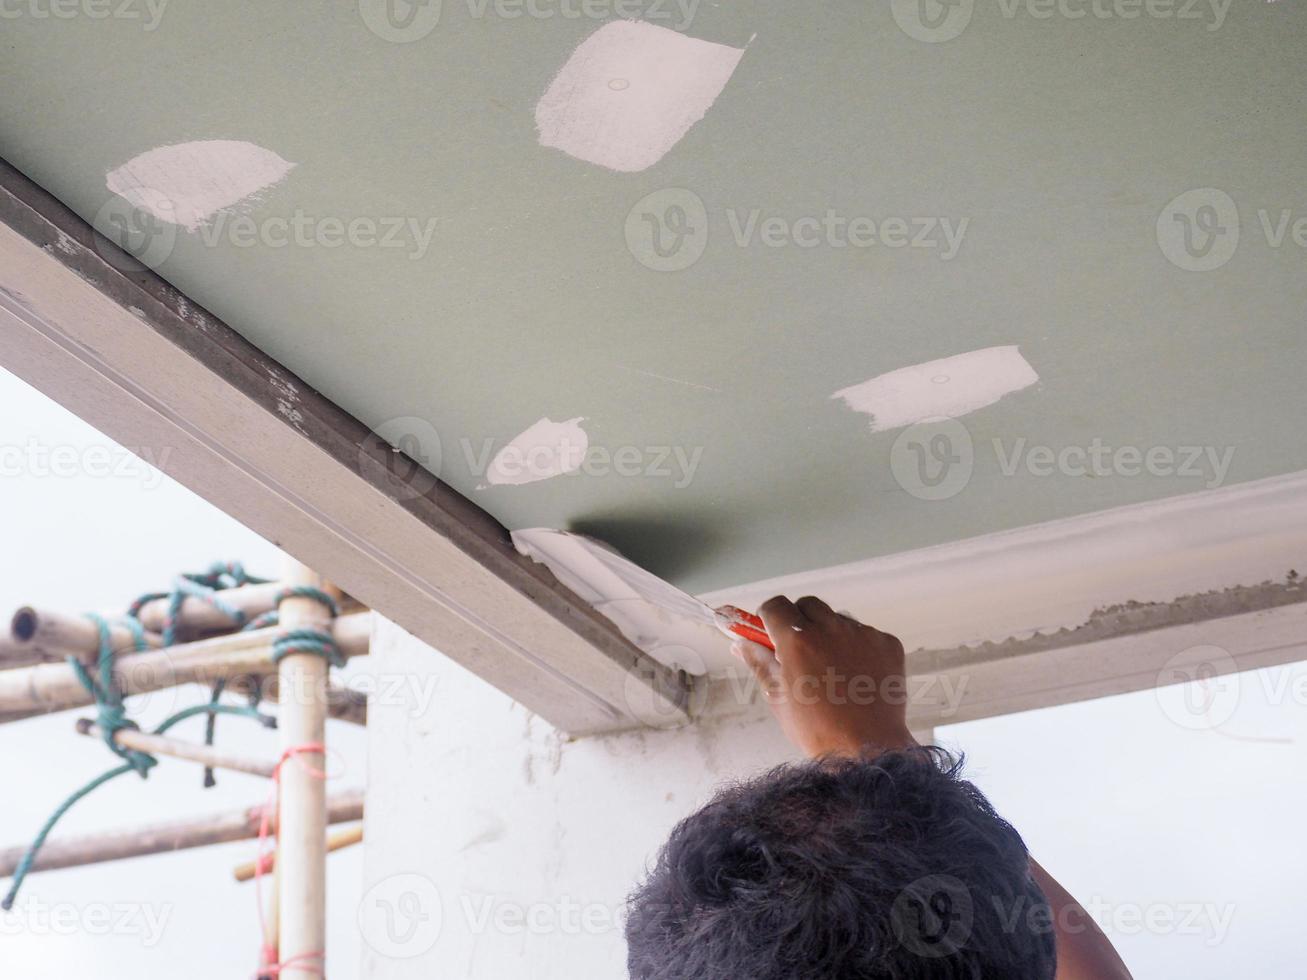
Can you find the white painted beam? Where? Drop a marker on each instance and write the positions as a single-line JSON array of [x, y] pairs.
[[956, 686], [140, 362], [1044, 577], [950, 686], [1202, 585]]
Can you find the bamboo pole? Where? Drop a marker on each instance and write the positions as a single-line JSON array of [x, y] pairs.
[[302, 817], [165, 837], [246, 870], [43, 688], [14, 654], [271, 922], [197, 616], [55, 635], [343, 703], [176, 748]]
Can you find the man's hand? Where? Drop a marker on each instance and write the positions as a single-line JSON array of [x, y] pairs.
[[838, 688], [835, 685]]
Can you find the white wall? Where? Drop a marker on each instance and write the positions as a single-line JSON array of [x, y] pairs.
[[1181, 831], [479, 810]]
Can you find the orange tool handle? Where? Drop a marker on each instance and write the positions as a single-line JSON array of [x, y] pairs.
[[746, 625]]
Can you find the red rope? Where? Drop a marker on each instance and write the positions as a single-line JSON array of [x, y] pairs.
[[269, 966]]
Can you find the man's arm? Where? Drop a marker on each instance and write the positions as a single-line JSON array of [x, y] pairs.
[[839, 687]]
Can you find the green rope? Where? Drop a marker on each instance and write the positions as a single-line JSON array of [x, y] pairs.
[[112, 712], [25, 865], [304, 642], [237, 710], [29, 856], [210, 724], [307, 640], [309, 592], [204, 586]]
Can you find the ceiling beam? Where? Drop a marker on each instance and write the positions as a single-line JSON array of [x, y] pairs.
[[1198, 585], [1197, 638], [124, 350]]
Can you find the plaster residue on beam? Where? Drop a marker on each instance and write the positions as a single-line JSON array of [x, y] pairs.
[[1020, 673], [1123, 619], [1042, 577]]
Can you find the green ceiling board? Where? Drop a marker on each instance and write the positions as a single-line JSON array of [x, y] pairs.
[[1059, 140]]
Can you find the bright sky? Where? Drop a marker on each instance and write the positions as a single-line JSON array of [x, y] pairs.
[[1185, 838], [89, 527]]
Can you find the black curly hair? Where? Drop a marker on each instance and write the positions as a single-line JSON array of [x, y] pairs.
[[843, 869]]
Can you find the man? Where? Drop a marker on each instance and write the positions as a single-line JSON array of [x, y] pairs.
[[873, 860]]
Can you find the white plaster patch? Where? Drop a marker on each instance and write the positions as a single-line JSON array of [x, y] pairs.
[[630, 91], [947, 388], [186, 184], [545, 450]]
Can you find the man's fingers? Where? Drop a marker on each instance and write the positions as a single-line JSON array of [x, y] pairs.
[[781, 617], [814, 608], [755, 655], [762, 662]]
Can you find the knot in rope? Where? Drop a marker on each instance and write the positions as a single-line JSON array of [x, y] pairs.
[[204, 586], [317, 642], [308, 640], [111, 713], [108, 697]]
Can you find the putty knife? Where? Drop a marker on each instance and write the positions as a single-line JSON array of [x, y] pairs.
[[613, 583]]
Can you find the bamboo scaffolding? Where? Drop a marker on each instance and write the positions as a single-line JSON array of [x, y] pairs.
[[302, 815], [343, 703], [197, 616], [162, 838], [55, 635], [271, 909], [14, 654], [246, 870], [43, 688], [176, 748]]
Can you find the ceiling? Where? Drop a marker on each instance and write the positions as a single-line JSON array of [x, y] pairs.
[[716, 452]]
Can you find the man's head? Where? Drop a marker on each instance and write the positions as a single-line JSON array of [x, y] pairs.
[[843, 869]]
